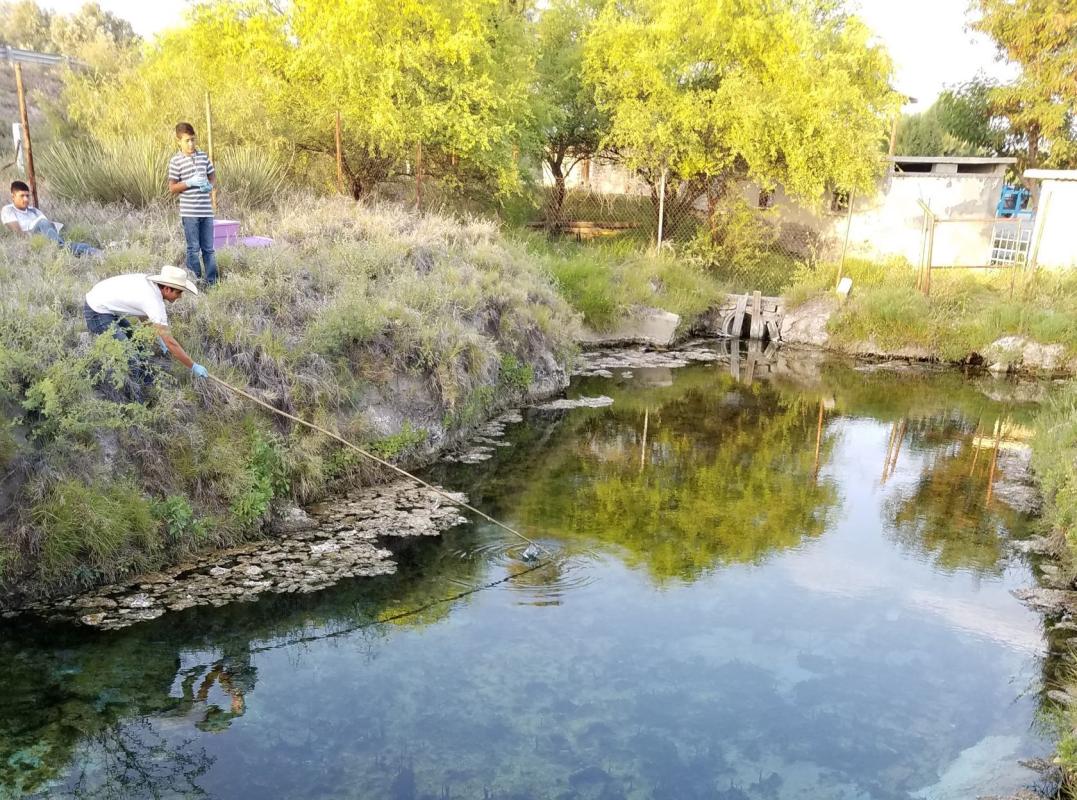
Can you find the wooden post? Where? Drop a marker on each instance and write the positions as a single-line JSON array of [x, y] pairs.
[[27, 145], [419, 175], [756, 329], [738, 317], [845, 244], [209, 147], [340, 158]]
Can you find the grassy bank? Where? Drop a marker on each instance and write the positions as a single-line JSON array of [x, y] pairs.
[[1054, 459], [966, 312], [396, 330], [604, 281]]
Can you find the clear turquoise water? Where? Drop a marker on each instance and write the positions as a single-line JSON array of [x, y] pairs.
[[730, 620]]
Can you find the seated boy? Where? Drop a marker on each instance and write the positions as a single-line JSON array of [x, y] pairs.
[[22, 218]]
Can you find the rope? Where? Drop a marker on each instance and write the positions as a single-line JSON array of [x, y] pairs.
[[411, 612], [381, 461]]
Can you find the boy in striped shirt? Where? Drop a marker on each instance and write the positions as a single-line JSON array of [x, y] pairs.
[[192, 177]]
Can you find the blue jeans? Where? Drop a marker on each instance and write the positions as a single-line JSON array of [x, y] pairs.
[[198, 231], [48, 230]]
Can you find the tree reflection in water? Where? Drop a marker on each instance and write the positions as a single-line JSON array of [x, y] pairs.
[[133, 759]]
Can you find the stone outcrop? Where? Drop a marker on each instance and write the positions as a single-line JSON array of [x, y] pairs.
[[334, 541], [806, 324], [1014, 353], [645, 326]]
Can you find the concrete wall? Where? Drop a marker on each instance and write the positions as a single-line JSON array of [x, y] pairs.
[[1056, 221]]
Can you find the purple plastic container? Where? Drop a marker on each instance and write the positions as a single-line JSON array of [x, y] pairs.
[[225, 232]]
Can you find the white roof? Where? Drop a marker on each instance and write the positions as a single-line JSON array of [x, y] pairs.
[[1052, 174], [953, 159]]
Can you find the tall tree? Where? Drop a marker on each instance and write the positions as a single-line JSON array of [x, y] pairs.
[[1041, 37], [25, 25], [779, 91], [571, 124], [965, 112], [450, 76]]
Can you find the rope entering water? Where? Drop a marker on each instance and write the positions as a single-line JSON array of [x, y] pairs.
[[381, 461]]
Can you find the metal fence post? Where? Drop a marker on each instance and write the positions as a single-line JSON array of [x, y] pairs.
[[661, 205], [1034, 252], [845, 244]]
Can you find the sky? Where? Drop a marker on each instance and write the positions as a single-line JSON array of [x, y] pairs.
[[927, 39]]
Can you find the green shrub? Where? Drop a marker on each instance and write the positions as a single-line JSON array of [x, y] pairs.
[[408, 438], [180, 523], [249, 177], [514, 376], [109, 526], [263, 479]]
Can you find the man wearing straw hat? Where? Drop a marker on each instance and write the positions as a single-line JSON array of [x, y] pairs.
[[111, 301]]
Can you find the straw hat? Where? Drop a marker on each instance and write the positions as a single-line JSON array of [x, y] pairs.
[[176, 277]]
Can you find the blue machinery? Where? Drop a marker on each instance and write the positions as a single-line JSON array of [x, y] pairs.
[[1014, 202]]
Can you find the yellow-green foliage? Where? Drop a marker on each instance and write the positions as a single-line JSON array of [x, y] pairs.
[[965, 313], [452, 74], [712, 89], [348, 300]]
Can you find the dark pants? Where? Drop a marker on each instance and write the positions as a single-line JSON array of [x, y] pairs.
[[139, 375], [198, 231], [48, 230]]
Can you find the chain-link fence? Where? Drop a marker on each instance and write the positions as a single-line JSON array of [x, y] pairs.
[[748, 238], [974, 243]]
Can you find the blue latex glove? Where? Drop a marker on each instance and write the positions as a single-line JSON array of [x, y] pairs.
[[206, 187], [161, 344], [199, 371]]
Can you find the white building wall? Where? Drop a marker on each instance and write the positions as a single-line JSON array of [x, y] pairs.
[[1055, 230]]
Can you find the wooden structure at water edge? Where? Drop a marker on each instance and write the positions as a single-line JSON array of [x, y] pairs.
[[749, 316]]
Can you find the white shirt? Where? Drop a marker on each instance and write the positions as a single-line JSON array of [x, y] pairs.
[[27, 219], [135, 295]]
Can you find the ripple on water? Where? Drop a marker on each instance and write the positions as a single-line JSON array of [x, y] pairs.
[[544, 581]]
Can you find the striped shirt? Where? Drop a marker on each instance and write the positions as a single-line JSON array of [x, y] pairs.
[[192, 169]]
